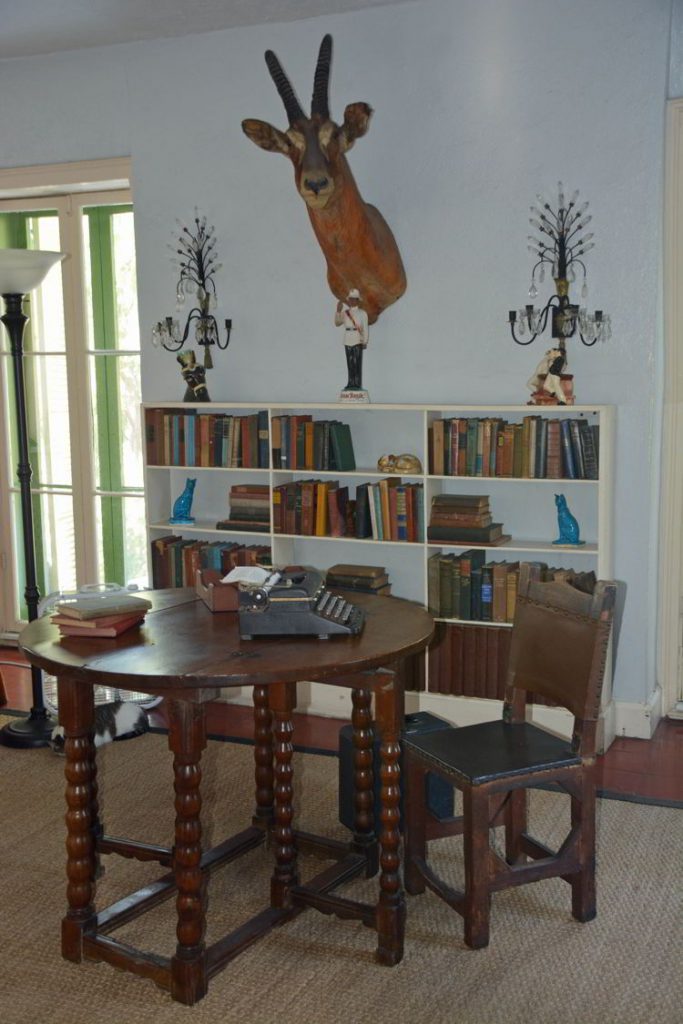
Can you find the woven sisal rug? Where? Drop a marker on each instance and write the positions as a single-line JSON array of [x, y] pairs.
[[626, 967]]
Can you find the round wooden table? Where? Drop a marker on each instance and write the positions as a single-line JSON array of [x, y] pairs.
[[187, 654]]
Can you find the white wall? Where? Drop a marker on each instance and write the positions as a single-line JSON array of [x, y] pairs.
[[479, 104]]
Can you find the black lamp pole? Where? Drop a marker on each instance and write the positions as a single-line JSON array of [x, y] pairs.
[[35, 730]]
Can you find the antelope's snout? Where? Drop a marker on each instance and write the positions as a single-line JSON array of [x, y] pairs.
[[316, 189]]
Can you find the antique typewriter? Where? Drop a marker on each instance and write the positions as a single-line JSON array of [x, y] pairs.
[[294, 602]]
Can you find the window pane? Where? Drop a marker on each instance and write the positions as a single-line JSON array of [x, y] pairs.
[[45, 306], [117, 442], [53, 522], [127, 563], [47, 405], [127, 323], [87, 283]]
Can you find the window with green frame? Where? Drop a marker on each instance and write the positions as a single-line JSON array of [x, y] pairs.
[[107, 517], [114, 346]]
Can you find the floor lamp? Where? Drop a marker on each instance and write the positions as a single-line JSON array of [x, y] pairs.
[[22, 270]]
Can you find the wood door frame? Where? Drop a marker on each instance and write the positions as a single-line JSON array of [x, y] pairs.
[[670, 618]]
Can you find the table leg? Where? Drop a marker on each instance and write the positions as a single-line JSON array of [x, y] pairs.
[[283, 702], [364, 839], [263, 758], [77, 715], [187, 739], [391, 909]]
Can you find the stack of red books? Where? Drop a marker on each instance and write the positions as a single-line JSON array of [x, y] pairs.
[[102, 616]]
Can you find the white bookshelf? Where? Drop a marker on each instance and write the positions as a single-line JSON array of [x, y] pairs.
[[525, 506]]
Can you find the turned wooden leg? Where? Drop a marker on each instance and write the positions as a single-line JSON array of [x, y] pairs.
[[263, 758], [415, 785], [77, 715], [283, 702], [476, 850], [515, 825], [583, 818], [187, 739], [364, 839], [391, 909]]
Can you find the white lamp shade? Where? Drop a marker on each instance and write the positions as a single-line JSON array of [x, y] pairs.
[[22, 270]]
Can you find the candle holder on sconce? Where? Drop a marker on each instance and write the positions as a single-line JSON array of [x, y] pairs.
[[195, 257]]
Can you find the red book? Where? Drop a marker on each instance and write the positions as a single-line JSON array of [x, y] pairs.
[[104, 622], [97, 630]]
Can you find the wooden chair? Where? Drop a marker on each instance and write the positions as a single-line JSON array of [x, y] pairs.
[[3, 695], [558, 651]]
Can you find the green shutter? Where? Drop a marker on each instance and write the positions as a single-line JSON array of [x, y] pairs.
[[105, 335]]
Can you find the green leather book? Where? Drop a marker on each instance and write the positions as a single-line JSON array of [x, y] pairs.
[[341, 445]]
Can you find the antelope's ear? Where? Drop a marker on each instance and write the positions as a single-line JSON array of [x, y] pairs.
[[265, 136], [356, 120]]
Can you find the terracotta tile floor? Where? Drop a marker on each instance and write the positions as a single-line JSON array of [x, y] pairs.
[[646, 769]]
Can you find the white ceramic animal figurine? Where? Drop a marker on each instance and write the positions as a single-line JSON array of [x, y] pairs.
[[567, 523]]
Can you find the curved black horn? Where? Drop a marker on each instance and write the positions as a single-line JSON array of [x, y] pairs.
[[319, 104], [282, 84]]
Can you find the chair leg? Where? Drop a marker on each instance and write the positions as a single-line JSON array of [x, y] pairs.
[[583, 882], [415, 824], [476, 850], [515, 825]]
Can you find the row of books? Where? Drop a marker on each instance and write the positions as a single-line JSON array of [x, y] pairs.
[[175, 559], [469, 661], [300, 442], [536, 448], [175, 438], [386, 510], [249, 509], [469, 587], [464, 519]]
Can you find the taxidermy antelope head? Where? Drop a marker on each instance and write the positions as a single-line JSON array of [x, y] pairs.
[[357, 243]]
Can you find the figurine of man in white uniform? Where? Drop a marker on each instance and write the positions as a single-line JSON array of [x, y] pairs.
[[354, 322]]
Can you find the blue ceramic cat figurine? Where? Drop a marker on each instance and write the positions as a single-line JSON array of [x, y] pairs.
[[567, 523], [183, 505]]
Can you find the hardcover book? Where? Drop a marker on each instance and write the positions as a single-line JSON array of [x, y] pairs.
[[67, 627], [359, 582], [341, 445], [107, 604], [372, 572], [467, 535]]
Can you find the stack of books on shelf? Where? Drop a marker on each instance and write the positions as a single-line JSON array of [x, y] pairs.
[[249, 509], [175, 560], [464, 519], [190, 438], [469, 587], [300, 442], [537, 448], [365, 579], [100, 616], [387, 510], [311, 508], [470, 660], [390, 510]]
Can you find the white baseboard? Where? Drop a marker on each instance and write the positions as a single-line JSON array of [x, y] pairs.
[[638, 720], [335, 702], [618, 718]]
